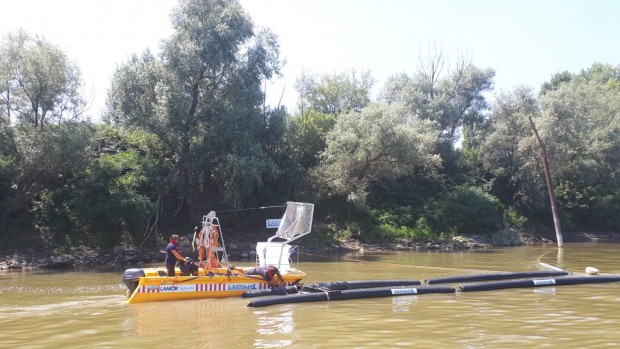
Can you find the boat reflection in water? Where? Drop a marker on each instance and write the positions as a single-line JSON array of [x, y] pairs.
[[211, 323]]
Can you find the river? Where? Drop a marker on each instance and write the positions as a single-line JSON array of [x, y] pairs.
[[87, 309]]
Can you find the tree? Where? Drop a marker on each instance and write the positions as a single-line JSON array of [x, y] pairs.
[[8, 153], [335, 93], [451, 101], [581, 125], [48, 158], [378, 142], [578, 117], [322, 99], [38, 83], [308, 134], [504, 153], [202, 97], [44, 161], [108, 201], [556, 81]]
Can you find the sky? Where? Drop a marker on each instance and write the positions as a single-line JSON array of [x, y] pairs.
[[525, 41]]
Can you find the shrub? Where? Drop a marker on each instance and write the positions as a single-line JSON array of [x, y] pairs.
[[514, 219], [465, 210]]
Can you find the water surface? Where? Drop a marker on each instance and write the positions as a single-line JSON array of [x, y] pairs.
[[87, 309]]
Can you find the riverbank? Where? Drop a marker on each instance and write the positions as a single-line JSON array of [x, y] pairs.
[[130, 256]]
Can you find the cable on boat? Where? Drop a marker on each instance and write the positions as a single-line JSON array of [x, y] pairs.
[[211, 274], [251, 208]]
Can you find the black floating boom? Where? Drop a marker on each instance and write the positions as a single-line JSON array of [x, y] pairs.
[[495, 276], [329, 286], [571, 280], [351, 285], [274, 291], [389, 288], [349, 294]]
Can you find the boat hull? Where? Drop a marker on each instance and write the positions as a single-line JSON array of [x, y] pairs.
[[217, 283]]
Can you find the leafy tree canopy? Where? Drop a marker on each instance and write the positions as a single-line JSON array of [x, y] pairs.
[[39, 85], [334, 93], [378, 142]]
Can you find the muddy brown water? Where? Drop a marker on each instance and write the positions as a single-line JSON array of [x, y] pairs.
[[87, 308]]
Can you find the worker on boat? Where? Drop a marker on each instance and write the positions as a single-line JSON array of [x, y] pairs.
[[202, 248], [207, 257], [172, 254], [268, 273]]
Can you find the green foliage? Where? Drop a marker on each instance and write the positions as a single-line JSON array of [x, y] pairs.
[[48, 159], [202, 97], [321, 236], [7, 172], [423, 231], [188, 131], [451, 101], [508, 155], [581, 126], [351, 230], [308, 135], [48, 162], [420, 232], [110, 201], [465, 210], [556, 81], [39, 84], [394, 223], [334, 93], [604, 214], [380, 142], [515, 219]]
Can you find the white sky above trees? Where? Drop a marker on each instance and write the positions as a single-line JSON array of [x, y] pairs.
[[525, 41]]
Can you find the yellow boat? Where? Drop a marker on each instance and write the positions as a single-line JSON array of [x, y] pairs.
[[221, 283], [211, 278]]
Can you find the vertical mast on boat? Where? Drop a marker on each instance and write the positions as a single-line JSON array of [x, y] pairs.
[[211, 241]]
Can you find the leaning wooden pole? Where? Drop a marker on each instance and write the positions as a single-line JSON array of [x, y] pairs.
[[545, 161]]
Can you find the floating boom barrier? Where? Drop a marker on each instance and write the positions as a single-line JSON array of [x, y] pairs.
[[329, 286], [570, 280], [341, 290], [495, 276], [349, 294]]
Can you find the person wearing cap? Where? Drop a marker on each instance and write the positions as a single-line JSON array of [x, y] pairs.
[[269, 273]]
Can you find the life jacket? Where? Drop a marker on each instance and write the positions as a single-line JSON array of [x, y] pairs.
[[204, 247]]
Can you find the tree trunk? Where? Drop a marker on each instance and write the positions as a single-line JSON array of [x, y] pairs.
[[545, 161]]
